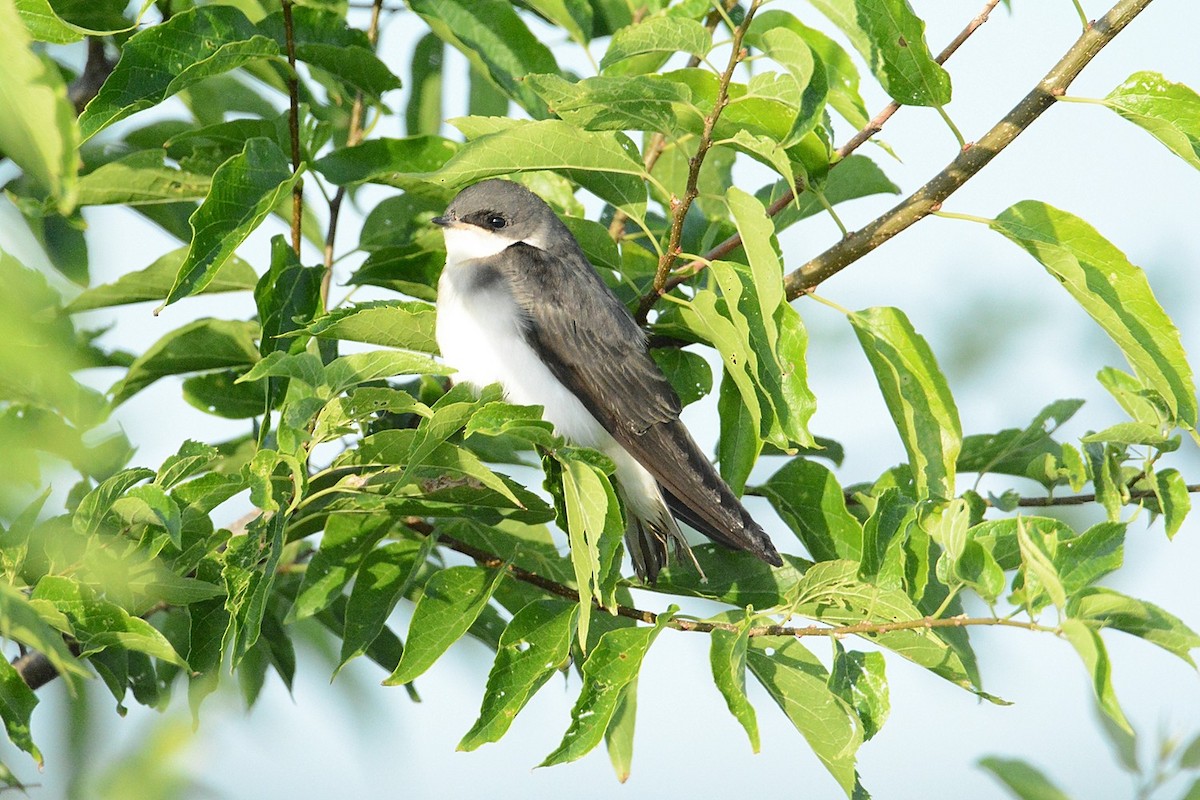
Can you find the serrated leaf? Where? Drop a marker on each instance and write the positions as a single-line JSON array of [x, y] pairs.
[[141, 178], [611, 667], [727, 656], [1024, 781], [1041, 575], [244, 191], [1113, 292], [917, 396], [164, 59], [323, 39], [799, 685], [1170, 112], [206, 344], [96, 504], [860, 680], [809, 499], [248, 571], [594, 530], [403, 163], [495, 40], [1087, 643], [536, 644], [404, 324], [17, 702], [605, 103], [97, 624], [662, 34], [385, 575], [1105, 607], [604, 162], [452, 600], [38, 130], [344, 544], [892, 40], [154, 505]]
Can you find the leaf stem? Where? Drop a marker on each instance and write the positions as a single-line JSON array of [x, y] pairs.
[[966, 217]]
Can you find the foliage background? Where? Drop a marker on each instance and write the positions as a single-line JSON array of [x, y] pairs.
[[975, 298]]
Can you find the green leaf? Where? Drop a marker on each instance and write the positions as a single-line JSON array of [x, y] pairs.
[[1107, 608], [787, 48], [248, 571], [97, 624], [96, 504], [606, 163], [17, 702], [688, 372], [573, 16], [494, 40], [916, 394], [347, 540], [856, 176], [38, 130], [1023, 780], [892, 40], [423, 114], [536, 644], [738, 445], [287, 298], [322, 39], [657, 35], [244, 191], [594, 530], [727, 655], [140, 178], [604, 103], [799, 684], [155, 281], [21, 621], [162, 60], [1174, 499], [452, 600], [611, 667], [1170, 112], [1010, 451], [1087, 642], [403, 163], [154, 506], [809, 499], [860, 680], [1113, 292], [1041, 575], [386, 574], [206, 344], [618, 736], [404, 324]]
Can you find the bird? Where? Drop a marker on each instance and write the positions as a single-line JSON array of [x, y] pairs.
[[519, 304]]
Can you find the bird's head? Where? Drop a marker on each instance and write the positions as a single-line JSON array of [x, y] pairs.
[[488, 217]]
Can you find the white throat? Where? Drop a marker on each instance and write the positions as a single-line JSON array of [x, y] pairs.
[[469, 242]]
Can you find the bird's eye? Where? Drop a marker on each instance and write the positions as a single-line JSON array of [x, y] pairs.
[[496, 221]]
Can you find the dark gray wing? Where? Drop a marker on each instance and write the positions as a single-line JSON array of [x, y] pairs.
[[590, 342]]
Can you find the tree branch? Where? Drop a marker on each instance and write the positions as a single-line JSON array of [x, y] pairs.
[[1084, 499], [681, 205], [492, 561], [971, 160], [294, 123], [873, 127], [95, 73], [353, 137]]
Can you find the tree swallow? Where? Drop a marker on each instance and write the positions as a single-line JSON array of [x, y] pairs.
[[520, 305]]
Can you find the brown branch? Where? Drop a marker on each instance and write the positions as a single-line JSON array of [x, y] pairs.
[[293, 83], [35, 669], [1084, 499], [353, 137], [95, 73], [680, 206], [492, 561], [874, 126], [971, 160], [658, 142]]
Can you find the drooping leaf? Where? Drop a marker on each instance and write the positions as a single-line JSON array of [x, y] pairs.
[[536, 643], [452, 600], [810, 500], [155, 281], [385, 575], [661, 34], [17, 702], [727, 656], [860, 680], [495, 41], [1023, 780], [1085, 638], [1170, 112], [206, 344], [613, 664], [244, 191], [916, 394], [1113, 292], [799, 684], [162, 60], [38, 130], [1108, 608]]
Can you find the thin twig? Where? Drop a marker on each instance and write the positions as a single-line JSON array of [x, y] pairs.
[[857, 140], [658, 142], [1084, 499], [95, 73], [971, 160], [680, 206], [294, 123], [492, 561], [353, 137]]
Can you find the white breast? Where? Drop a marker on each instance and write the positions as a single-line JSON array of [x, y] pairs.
[[479, 335]]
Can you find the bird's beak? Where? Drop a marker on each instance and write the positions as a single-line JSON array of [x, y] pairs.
[[442, 222]]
